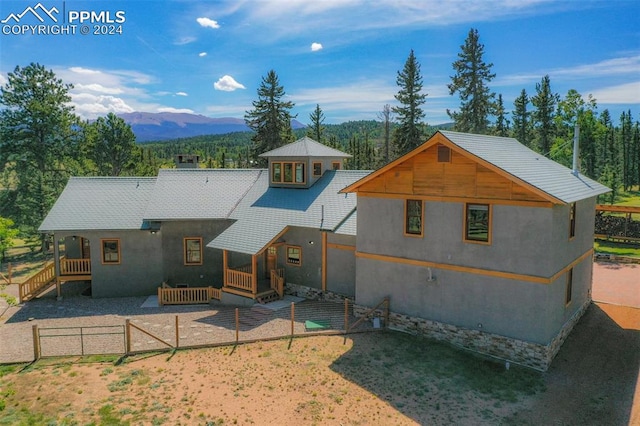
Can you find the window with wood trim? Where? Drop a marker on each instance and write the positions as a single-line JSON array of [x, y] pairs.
[[110, 251], [444, 154], [288, 172], [413, 217], [477, 223], [336, 165], [569, 287], [294, 255], [572, 220], [317, 169], [193, 251]]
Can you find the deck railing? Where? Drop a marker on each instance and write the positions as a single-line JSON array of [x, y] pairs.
[[32, 286], [75, 266], [240, 280], [277, 281], [186, 296]]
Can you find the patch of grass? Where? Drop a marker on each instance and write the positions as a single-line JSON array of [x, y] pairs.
[[618, 249], [110, 417]]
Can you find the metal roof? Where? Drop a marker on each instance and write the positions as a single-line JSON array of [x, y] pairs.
[[265, 212], [100, 203], [183, 194], [529, 166], [305, 147], [349, 226]]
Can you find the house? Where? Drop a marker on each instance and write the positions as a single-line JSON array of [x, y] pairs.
[[226, 228], [476, 240]]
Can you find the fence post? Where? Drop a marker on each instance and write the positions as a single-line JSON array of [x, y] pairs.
[[36, 343], [127, 327], [346, 315], [386, 313], [177, 334], [237, 325], [293, 316], [159, 296]]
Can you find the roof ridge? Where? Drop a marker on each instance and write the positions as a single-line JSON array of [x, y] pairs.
[[241, 198]]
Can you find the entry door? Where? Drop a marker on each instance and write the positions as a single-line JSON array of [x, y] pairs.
[[86, 248], [272, 261]]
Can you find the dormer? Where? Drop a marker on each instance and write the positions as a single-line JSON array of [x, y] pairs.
[[301, 163]]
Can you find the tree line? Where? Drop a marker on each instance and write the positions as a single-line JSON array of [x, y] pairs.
[[43, 142]]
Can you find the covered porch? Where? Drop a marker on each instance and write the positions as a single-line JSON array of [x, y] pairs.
[[260, 278]]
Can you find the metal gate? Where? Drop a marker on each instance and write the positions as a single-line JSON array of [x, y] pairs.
[[71, 341]]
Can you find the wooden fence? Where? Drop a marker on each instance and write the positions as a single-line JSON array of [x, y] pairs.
[[186, 296], [6, 278]]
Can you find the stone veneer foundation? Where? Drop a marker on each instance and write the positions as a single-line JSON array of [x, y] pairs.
[[528, 354]]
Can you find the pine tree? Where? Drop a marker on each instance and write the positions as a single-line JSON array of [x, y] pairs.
[[522, 119], [270, 118], [408, 135], [37, 133], [385, 117], [315, 128], [502, 122], [471, 82], [543, 117]]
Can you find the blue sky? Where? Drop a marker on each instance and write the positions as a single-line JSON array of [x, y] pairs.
[[208, 57]]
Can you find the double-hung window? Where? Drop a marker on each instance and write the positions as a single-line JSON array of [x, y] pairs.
[[477, 223], [413, 218], [193, 251], [110, 251]]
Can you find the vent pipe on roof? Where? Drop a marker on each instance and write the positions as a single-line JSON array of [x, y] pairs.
[[576, 149]]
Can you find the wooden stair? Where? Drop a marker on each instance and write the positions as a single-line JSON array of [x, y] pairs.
[[268, 296], [37, 283]]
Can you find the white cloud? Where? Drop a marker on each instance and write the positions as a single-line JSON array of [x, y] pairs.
[[206, 22], [202, 54], [80, 70], [182, 94], [227, 84], [316, 46], [628, 93], [175, 110], [91, 106], [184, 40], [95, 87]]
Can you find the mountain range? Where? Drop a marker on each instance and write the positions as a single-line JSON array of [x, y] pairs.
[[148, 126]]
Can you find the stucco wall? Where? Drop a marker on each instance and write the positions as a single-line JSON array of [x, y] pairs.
[[174, 270], [140, 270], [341, 265], [525, 240], [309, 273]]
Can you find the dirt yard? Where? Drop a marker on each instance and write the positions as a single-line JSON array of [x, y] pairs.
[[365, 379]]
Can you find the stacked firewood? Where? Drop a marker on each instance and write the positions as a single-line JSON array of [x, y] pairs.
[[617, 226]]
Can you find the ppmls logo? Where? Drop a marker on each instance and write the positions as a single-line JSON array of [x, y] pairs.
[[34, 11], [40, 20]]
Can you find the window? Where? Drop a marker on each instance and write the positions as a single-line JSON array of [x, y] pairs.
[[477, 223], [276, 172], [413, 217], [569, 288], [444, 154], [572, 220], [193, 251], [317, 169], [110, 251], [294, 255], [288, 172], [299, 172], [336, 165]]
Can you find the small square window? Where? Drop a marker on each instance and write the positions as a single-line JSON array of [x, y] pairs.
[[444, 154], [193, 251], [336, 165], [110, 252], [288, 172], [317, 169], [294, 255]]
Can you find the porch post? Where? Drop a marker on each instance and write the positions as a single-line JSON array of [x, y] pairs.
[[224, 268], [254, 274], [56, 263], [324, 261]]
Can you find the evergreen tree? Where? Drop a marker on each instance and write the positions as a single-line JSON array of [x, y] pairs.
[[522, 119], [113, 146], [543, 117], [502, 122], [471, 82], [36, 135], [315, 128], [385, 117], [270, 118], [626, 145], [408, 135]]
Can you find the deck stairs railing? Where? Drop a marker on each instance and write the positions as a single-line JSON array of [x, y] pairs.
[[38, 282]]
